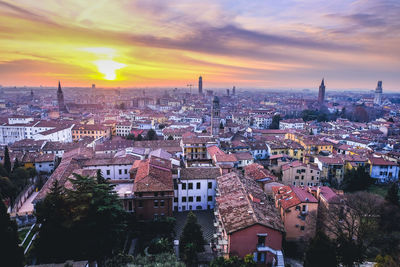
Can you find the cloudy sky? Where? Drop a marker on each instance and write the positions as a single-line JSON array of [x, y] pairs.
[[264, 44]]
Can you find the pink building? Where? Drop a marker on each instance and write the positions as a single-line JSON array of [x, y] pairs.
[[247, 222]]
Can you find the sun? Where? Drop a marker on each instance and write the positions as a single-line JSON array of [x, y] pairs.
[[108, 68]]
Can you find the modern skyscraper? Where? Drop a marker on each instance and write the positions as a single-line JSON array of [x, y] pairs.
[[60, 99], [215, 113], [321, 93], [227, 92], [234, 90], [378, 94], [200, 85]]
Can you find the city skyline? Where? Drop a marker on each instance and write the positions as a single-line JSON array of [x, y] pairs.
[[353, 44]]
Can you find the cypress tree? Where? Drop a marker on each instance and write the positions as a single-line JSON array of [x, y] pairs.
[[7, 161], [12, 253], [392, 194]]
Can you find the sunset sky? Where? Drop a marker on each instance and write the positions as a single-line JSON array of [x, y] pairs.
[[263, 44]]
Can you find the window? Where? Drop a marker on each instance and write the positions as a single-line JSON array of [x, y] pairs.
[[302, 177], [183, 186], [120, 171], [190, 185], [198, 198], [190, 199], [175, 199], [140, 204], [296, 177], [156, 194], [209, 198], [304, 208], [198, 186], [126, 171], [162, 194], [155, 203], [162, 203], [312, 177], [209, 185], [183, 199], [261, 241], [108, 172], [302, 228]]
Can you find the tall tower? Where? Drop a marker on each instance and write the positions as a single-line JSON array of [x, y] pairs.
[[215, 113], [200, 85], [321, 93], [32, 96], [234, 90], [378, 94], [60, 98]]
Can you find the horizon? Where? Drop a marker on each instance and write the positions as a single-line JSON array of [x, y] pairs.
[[264, 44]]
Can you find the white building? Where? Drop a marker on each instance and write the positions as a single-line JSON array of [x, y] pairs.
[[18, 128], [384, 170], [291, 124], [262, 121], [123, 128], [45, 163], [113, 168], [194, 189], [59, 134]]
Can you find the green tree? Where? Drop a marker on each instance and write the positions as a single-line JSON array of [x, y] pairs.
[[386, 261], [7, 189], [11, 253], [130, 137], [320, 249], [98, 220], [139, 137], [234, 261], [16, 164], [3, 171], [51, 244], [7, 161], [20, 178], [170, 137], [356, 180], [99, 177], [392, 195], [275, 122], [151, 135], [159, 260], [85, 222], [191, 240]]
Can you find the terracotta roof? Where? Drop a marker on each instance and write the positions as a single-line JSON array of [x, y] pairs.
[[225, 158], [153, 174], [381, 161], [200, 173], [257, 172], [242, 203], [289, 196]]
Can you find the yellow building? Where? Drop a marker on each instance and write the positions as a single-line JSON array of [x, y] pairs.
[[96, 131]]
